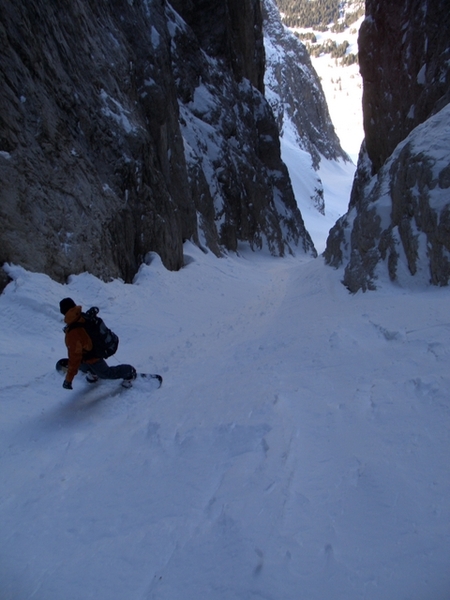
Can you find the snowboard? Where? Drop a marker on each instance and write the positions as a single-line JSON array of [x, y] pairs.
[[154, 378]]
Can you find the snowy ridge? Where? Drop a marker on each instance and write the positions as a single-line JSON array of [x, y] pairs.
[[322, 195], [398, 231], [294, 91], [299, 442]]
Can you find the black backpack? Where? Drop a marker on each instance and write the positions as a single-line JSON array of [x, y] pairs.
[[104, 341]]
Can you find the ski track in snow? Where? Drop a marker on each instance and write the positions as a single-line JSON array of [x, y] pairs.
[[297, 449]]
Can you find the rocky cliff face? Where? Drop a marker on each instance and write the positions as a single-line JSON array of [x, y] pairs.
[[231, 31], [127, 127], [397, 223], [92, 170], [294, 91], [404, 50], [241, 188]]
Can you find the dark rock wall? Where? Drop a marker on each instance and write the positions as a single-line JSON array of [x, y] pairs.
[[93, 169], [398, 211], [94, 175], [231, 30], [233, 154], [404, 59]]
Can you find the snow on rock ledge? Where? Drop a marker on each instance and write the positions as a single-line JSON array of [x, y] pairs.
[[402, 229]]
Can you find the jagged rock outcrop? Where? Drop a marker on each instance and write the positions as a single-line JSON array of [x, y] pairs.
[[124, 129], [294, 91], [231, 139], [397, 222]]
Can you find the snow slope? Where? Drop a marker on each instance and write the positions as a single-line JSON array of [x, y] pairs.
[[334, 178], [298, 448], [342, 86]]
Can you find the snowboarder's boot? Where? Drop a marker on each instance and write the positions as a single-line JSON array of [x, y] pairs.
[[91, 378], [127, 383]]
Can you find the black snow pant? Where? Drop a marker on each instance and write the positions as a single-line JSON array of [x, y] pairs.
[[104, 371]]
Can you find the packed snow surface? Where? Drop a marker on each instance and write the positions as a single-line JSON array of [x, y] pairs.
[[298, 448]]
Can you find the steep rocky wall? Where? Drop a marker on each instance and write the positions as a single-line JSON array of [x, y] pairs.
[[230, 30], [99, 100], [294, 91], [397, 222], [232, 153], [404, 60], [92, 167]]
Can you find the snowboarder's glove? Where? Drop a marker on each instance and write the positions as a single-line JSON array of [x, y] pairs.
[[67, 385]]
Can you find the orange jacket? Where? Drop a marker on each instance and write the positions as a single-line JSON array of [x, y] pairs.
[[77, 341]]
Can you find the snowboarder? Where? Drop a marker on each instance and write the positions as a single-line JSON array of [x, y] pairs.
[[82, 353]]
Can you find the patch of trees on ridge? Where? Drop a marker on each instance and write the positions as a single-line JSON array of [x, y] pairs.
[[317, 14], [337, 51], [303, 13]]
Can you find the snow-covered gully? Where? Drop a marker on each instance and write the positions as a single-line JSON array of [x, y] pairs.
[[298, 448]]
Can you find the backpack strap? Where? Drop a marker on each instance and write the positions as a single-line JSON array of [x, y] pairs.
[[76, 324]]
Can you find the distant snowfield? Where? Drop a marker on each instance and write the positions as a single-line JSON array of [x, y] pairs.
[[342, 87], [343, 92], [299, 446], [334, 177]]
